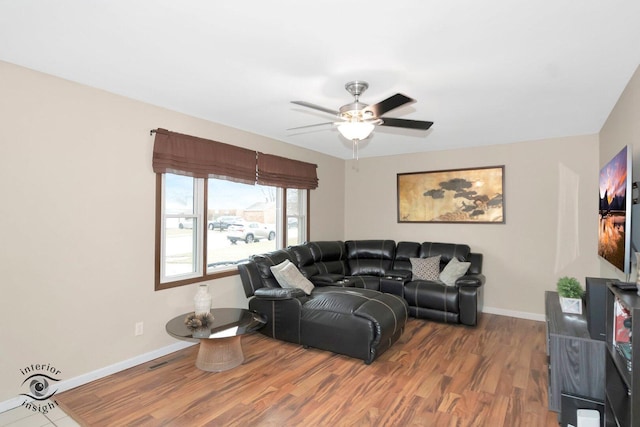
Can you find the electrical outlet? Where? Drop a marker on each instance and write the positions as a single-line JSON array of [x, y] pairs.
[[139, 328]]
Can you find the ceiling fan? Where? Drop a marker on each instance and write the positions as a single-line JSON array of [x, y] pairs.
[[357, 120]]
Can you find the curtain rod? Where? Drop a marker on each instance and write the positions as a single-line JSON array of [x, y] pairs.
[[152, 131]]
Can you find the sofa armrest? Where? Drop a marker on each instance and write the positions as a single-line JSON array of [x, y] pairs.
[[403, 274], [279, 293], [471, 280], [327, 279], [283, 314]]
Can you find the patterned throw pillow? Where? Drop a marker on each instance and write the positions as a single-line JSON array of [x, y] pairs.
[[425, 268], [453, 271], [288, 276]]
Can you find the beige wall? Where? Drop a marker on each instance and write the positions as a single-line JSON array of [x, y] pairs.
[[542, 240], [77, 211], [623, 128]]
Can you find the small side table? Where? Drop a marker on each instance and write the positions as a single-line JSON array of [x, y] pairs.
[[220, 345]]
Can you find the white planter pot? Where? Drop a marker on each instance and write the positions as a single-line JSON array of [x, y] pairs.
[[571, 305]]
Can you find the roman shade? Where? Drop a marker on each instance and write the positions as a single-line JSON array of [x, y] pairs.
[[282, 172], [203, 158]]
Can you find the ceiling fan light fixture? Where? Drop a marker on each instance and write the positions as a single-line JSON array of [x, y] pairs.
[[356, 130]]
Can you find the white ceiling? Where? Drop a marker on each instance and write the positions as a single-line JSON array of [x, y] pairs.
[[486, 72]]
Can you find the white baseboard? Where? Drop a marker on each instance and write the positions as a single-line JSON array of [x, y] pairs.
[[65, 385], [511, 313], [10, 404]]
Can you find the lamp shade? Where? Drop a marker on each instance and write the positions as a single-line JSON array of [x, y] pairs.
[[355, 130]]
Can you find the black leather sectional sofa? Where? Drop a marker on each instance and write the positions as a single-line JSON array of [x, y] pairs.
[[364, 291]]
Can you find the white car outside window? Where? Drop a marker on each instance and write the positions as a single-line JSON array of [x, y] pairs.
[[250, 232]]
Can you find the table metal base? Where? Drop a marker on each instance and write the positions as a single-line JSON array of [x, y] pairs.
[[220, 354]]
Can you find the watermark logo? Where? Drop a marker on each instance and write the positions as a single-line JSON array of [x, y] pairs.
[[40, 381]]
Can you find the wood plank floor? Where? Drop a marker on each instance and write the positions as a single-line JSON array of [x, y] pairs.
[[436, 375]]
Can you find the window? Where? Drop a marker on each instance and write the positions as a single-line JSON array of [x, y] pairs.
[[296, 208], [231, 220], [217, 204], [242, 221], [182, 203]]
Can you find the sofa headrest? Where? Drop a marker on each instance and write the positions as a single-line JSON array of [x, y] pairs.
[[370, 249], [322, 257], [370, 257], [405, 251], [302, 254], [265, 261], [327, 251], [445, 250]]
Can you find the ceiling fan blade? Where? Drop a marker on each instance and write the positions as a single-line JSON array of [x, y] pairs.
[[404, 123], [391, 103], [311, 126], [316, 107]]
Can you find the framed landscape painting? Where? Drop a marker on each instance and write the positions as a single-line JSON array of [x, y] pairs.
[[452, 196]]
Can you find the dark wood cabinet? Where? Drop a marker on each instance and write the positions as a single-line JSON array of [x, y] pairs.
[[622, 401], [576, 361]]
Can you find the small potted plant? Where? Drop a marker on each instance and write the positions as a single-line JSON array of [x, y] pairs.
[[570, 293]]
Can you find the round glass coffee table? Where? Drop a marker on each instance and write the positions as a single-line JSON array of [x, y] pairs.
[[220, 346]]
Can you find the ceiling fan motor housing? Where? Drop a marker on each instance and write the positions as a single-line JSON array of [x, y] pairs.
[[356, 87], [354, 110]]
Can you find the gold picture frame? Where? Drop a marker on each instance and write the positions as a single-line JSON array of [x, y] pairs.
[[474, 195]]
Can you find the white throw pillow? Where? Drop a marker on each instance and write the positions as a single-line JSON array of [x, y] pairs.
[[288, 276], [425, 268], [453, 271]]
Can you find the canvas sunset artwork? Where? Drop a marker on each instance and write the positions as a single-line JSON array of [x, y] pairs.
[[613, 207]]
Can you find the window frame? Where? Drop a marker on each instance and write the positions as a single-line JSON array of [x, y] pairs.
[[302, 218], [197, 218], [200, 252]]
